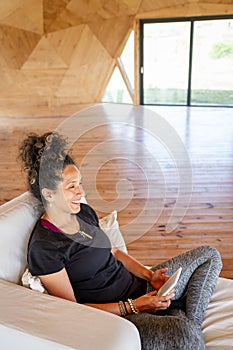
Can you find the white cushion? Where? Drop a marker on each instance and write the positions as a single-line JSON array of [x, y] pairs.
[[32, 282], [17, 218], [110, 226], [30, 320], [218, 322]]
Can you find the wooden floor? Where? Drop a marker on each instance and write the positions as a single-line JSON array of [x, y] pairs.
[[167, 170]]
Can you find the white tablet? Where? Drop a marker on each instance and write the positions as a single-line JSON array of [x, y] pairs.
[[167, 286]]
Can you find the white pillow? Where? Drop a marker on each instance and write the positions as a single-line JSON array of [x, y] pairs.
[[32, 282], [218, 321], [110, 226], [17, 218]]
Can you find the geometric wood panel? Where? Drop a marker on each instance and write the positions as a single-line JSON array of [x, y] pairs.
[[51, 10], [44, 56], [63, 14], [148, 5], [118, 27], [64, 51], [65, 42], [84, 73], [8, 76], [179, 8], [23, 14], [16, 46]]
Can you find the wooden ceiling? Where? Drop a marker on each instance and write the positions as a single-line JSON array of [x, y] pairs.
[[56, 52]]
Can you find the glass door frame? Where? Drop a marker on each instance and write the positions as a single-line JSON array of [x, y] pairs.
[[142, 22]]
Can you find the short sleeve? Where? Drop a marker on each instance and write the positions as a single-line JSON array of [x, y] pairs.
[[88, 214], [44, 258]]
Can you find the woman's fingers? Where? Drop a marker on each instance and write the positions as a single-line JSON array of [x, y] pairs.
[[150, 302], [165, 301], [153, 293], [163, 305], [165, 297]]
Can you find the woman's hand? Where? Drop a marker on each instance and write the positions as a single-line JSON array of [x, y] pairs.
[[158, 278], [151, 303]]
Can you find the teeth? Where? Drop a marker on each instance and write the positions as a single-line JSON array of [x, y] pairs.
[[76, 202]]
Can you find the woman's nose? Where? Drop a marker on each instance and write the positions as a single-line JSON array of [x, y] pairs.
[[81, 190]]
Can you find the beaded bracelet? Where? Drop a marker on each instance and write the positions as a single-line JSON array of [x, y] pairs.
[[133, 307], [126, 311], [122, 308]]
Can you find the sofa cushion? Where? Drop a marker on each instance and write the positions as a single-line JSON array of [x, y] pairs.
[[218, 321], [110, 226], [31, 320], [17, 218]]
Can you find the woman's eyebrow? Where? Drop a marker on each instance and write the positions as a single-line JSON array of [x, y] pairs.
[[74, 181]]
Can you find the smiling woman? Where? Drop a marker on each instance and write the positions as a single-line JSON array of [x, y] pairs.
[[75, 260], [65, 198]]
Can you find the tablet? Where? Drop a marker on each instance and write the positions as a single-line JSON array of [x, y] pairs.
[[167, 286]]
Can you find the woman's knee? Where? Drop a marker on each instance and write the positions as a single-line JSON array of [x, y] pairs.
[[209, 251], [168, 332], [214, 254]]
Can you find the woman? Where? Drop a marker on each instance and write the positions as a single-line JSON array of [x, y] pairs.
[[75, 261]]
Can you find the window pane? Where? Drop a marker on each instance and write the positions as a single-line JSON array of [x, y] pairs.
[[127, 58], [212, 73], [166, 59], [116, 90]]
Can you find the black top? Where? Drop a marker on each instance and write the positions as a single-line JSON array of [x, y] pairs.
[[95, 275]]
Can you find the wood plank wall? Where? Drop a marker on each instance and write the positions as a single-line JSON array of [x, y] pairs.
[[64, 52]]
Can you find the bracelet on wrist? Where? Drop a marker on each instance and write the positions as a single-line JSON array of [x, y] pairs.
[[126, 310], [133, 307], [123, 309]]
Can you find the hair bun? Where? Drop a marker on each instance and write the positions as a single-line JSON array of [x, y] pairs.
[[43, 158]]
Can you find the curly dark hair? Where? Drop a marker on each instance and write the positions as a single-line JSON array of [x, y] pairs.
[[43, 158]]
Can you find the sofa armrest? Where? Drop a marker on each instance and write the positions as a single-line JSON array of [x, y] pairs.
[[29, 318]]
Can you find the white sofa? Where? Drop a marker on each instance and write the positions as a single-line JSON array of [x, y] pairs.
[[32, 319]]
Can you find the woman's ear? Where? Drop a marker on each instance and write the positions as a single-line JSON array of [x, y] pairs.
[[47, 194]]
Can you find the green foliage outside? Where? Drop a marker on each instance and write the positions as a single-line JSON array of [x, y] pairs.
[[179, 96], [176, 96], [116, 96], [221, 50]]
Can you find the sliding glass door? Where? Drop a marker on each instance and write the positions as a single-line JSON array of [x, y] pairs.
[[166, 60], [212, 68], [187, 62]]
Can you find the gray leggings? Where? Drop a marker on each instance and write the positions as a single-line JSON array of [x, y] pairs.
[[179, 327]]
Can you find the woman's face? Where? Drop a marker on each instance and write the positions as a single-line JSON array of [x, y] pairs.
[[69, 191]]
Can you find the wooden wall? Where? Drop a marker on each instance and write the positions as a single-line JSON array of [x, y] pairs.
[[62, 52]]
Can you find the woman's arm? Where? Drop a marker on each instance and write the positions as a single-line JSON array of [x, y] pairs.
[[132, 265], [58, 284], [156, 278], [149, 303]]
